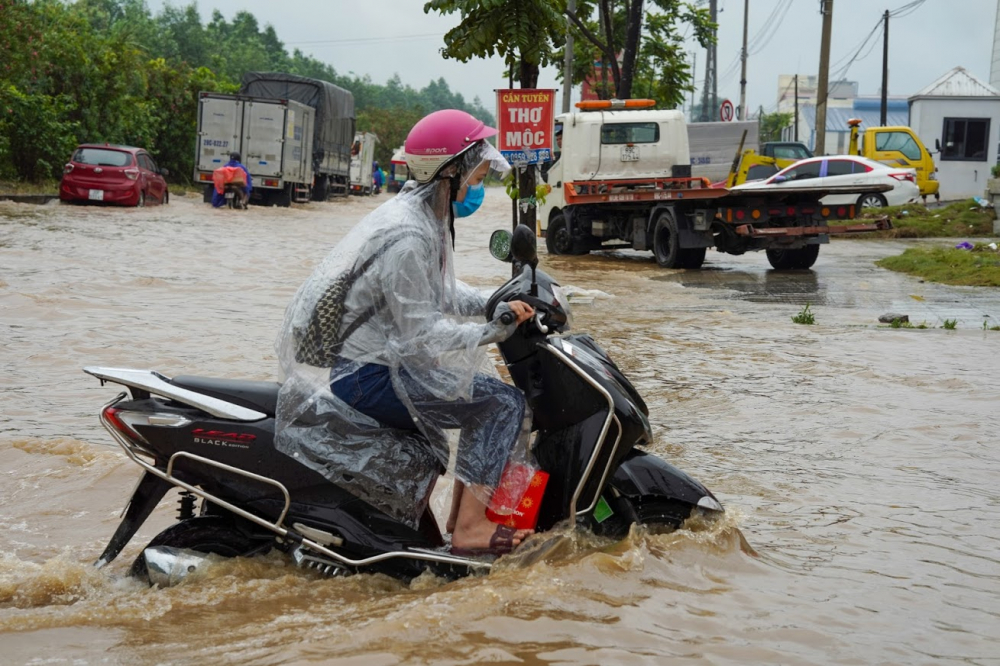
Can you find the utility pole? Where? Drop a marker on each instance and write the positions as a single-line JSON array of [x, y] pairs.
[[885, 70], [743, 73], [796, 107], [568, 66], [822, 87], [710, 93], [694, 77]]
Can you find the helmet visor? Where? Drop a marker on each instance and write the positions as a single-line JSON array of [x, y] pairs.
[[474, 159]]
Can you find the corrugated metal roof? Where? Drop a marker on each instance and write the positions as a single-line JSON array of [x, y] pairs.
[[958, 83]]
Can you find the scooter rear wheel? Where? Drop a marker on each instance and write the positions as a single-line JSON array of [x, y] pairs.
[[218, 535]]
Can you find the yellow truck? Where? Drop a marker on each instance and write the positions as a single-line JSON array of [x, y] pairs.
[[772, 158], [896, 146]]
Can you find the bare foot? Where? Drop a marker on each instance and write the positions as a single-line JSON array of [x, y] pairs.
[[456, 500], [473, 529], [480, 536]]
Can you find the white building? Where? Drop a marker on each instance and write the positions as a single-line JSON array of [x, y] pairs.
[[958, 117]]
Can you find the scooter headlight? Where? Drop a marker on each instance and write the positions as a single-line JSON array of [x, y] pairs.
[[563, 303]]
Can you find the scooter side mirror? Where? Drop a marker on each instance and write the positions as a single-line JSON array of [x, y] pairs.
[[523, 247], [500, 245]]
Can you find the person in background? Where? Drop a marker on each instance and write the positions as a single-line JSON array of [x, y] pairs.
[[219, 199], [377, 178]]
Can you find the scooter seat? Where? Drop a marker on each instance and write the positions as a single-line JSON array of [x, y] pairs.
[[262, 396]]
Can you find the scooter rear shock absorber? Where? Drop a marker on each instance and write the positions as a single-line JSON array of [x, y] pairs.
[[186, 509]]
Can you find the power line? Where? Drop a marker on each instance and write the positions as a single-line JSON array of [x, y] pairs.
[[906, 9], [877, 31], [359, 40], [761, 38], [758, 45]]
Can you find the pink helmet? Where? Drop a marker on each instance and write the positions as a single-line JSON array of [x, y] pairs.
[[439, 137]]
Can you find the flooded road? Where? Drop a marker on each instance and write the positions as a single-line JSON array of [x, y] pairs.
[[859, 462]]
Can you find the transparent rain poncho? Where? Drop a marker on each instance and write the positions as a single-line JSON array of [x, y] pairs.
[[387, 295]]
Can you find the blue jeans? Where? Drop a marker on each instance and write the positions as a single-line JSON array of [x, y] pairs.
[[369, 390], [490, 420]]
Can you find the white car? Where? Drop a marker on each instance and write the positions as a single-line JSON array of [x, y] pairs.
[[840, 170]]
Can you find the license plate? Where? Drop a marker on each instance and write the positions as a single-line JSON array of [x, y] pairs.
[[229, 195], [97, 195], [630, 153]]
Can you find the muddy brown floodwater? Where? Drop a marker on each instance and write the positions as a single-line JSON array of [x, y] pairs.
[[860, 463]]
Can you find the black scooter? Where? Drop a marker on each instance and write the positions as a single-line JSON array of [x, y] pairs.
[[214, 439]]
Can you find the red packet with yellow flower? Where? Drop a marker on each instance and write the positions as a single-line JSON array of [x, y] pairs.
[[516, 500]]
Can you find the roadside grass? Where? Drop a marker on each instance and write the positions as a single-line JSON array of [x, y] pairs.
[[51, 187], [962, 219], [978, 267], [19, 187]]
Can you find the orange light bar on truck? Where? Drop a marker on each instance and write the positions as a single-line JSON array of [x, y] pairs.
[[205, 176], [598, 104]]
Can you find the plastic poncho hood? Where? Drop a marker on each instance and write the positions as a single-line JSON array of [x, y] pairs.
[[401, 307]]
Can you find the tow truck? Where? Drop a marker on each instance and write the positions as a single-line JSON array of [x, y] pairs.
[[623, 180]]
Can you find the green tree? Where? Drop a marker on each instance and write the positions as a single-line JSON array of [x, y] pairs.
[[391, 126], [647, 37], [524, 32], [108, 70], [771, 125]]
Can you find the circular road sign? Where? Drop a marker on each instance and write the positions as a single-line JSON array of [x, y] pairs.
[[726, 111]]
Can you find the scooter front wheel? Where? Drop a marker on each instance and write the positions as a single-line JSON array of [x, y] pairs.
[[659, 514]]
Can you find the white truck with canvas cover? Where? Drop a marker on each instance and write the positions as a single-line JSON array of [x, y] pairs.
[[623, 180]]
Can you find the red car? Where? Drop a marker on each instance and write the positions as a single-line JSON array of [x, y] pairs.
[[105, 173]]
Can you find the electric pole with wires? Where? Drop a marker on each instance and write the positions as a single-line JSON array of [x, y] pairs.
[[822, 87], [885, 71], [710, 93], [743, 72]]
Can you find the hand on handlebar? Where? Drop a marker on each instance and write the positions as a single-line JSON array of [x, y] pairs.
[[521, 310]]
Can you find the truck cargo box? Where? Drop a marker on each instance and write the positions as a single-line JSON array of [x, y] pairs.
[[272, 136], [713, 146], [362, 159]]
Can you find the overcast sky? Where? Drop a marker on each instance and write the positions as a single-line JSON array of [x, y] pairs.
[[383, 37]]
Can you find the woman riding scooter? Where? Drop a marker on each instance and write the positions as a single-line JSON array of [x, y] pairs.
[[384, 325]]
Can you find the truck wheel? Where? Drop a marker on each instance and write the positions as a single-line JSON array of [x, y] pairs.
[[559, 240], [207, 194], [666, 243], [692, 257], [282, 197], [871, 200], [321, 190], [801, 259]]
